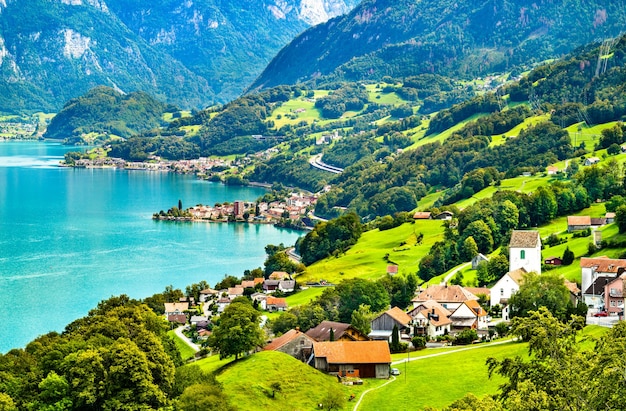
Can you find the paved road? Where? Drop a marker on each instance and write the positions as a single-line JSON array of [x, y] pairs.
[[316, 161], [179, 333], [448, 277]]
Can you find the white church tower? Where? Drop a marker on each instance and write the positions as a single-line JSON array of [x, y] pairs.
[[525, 251]]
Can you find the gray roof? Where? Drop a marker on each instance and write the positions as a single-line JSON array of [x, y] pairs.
[[525, 239]]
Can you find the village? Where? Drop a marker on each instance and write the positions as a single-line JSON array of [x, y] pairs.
[[438, 313]]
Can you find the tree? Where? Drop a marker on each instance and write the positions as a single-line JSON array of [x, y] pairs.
[[482, 235], [356, 291], [568, 256], [620, 218], [202, 397], [285, 322], [470, 249], [537, 291], [395, 339], [334, 400], [7, 403], [361, 319], [180, 204], [237, 331]]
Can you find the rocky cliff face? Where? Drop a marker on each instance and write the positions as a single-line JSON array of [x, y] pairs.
[[191, 53]]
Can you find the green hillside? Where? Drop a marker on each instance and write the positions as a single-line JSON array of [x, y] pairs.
[[104, 110], [467, 39], [247, 383]]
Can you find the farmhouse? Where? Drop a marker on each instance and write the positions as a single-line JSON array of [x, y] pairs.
[[294, 343], [591, 161], [431, 319], [364, 359], [469, 315], [553, 261], [479, 258], [382, 326], [421, 215]]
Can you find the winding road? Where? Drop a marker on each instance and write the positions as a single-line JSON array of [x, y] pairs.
[[316, 161]]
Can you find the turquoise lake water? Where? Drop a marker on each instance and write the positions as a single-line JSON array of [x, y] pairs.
[[70, 238]]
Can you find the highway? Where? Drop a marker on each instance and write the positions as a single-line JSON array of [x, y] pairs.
[[316, 161]]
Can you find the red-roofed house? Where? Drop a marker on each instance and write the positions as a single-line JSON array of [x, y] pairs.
[[275, 304], [431, 319], [614, 296], [592, 268], [449, 296], [578, 222], [364, 359], [392, 269], [421, 215]]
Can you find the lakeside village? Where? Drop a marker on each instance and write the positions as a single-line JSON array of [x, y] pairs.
[[438, 315], [291, 210]]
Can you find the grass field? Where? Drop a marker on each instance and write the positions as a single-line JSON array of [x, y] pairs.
[[437, 381], [367, 258], [247, 383], [499, 139], [185, 351], [376, 95]]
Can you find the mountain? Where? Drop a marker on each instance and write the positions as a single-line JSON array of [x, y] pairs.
[[399, 38], [191, 54], [104, 110], [228, 43]]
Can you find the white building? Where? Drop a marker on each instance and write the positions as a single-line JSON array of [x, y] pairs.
[[508, 285], [525, 251]]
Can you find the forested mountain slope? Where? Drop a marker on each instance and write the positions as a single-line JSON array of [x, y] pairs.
[[469, 38], [191, 54]]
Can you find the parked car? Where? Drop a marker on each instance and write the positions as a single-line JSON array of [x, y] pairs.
[[601, 314], [395, 371]]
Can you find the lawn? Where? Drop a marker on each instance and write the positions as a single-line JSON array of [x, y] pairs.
[[247, 383], [367, 260], [441, 137], [438, 381], [186, 352]]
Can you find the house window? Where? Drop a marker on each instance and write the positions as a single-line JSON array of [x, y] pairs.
[[522, 254], [613, 303], [501, 291]]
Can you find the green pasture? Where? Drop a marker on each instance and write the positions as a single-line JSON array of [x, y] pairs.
[[366, 259], [376, 95], [439, 380], [581, 133], [247, 383], [186, 352], [444, 134], [521, 184], [499, 139]]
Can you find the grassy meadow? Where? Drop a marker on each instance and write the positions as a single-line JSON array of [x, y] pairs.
[[247, 383], [367, 260]]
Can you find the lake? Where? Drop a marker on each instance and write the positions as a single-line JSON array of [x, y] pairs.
[[70, 238]]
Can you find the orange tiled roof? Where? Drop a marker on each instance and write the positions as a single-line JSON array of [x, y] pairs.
[[603, 264], [399, 315], [442, 316], [430, 304], [578, 220], [421, 215], [445, 293], [353, 352], [476, 308], [258, 280], [248, 284], [280, 302], [479, 290]]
